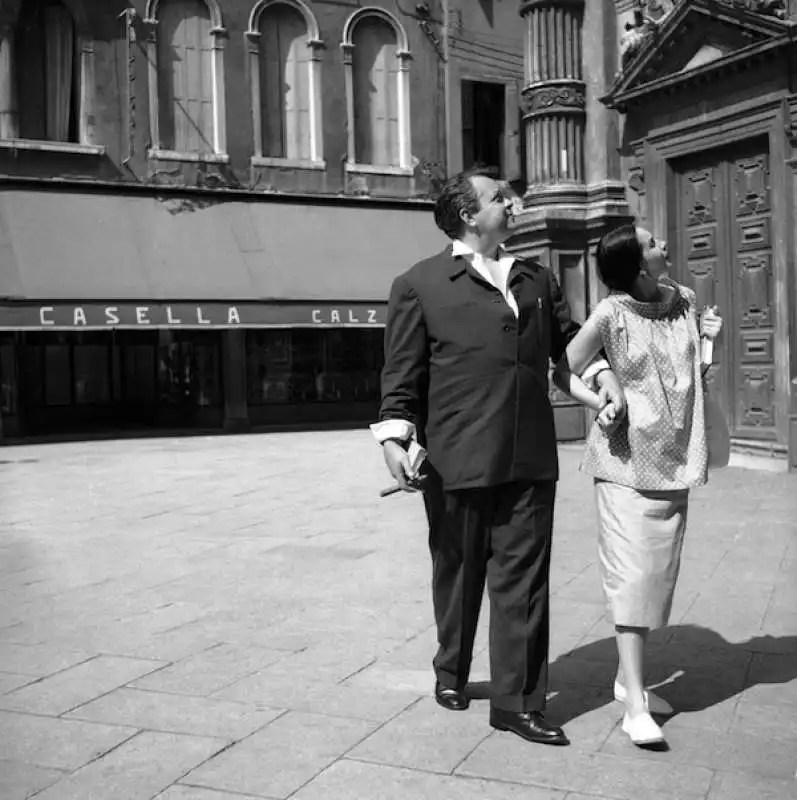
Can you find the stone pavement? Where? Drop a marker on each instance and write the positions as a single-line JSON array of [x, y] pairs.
[[242, 617]]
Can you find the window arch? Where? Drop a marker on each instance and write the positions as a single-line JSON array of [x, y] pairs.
[[284, 52], [47, 81], [376, 61], [186, 80]]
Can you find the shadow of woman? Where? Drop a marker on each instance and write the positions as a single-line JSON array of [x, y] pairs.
[[692, 667]]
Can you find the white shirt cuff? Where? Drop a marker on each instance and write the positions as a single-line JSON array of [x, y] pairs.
[[591, 372], [392, 429]]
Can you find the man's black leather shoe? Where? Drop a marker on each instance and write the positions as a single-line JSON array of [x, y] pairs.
[[452, 699], [529, 725]]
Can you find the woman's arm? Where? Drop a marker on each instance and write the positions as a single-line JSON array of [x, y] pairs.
[[573, 385], [580, 352]]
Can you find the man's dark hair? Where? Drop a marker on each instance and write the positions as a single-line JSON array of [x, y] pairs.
[[619, 258], [456, 196]]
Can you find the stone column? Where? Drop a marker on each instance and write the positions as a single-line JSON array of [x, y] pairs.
[[553, 99]]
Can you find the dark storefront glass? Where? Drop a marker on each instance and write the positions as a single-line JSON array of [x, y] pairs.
[[330, 365], [8, 375], [189, 370], [76, 381]]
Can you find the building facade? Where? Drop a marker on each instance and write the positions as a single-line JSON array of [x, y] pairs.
[[680, 115], [203, 204]]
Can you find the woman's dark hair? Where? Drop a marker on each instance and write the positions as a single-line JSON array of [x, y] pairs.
[[619, 258], [456, 196]]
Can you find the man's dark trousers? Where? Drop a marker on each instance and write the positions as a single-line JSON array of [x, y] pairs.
[[501, 534]]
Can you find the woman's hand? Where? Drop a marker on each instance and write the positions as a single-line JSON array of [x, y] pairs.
[[608, 418], [710, 323]]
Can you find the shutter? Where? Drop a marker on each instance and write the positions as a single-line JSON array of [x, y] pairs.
[[285, 83], [376, 109], [185, 58]]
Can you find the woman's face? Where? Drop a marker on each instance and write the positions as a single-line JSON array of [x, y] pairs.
[[654, 264]]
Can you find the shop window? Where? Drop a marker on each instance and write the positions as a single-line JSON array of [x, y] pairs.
[[189, 374], [483, 126], [313, 366], [46, 67], [92, 378], [187, 80], [138, 373], [376, 60], [8, 379], [58, 375]]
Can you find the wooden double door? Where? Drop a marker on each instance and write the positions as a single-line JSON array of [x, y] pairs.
[[720, 241]]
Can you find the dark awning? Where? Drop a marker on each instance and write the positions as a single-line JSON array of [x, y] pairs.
[[274, 263]]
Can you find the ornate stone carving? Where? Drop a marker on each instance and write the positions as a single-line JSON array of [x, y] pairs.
[[636, 179], [769, 8], [553, 99], [637, 35], [425, 23]]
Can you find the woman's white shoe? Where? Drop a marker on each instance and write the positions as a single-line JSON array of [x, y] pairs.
[[642, 729], [654, 703]]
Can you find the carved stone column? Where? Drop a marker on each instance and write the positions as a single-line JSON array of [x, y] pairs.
[[553, 99]]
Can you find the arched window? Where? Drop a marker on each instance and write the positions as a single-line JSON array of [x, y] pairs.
[[376, 58], [286, 104], [376, 111], [186, 80], [47, 73]]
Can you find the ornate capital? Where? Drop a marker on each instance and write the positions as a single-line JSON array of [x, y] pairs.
[[348, 52], [553, 99]]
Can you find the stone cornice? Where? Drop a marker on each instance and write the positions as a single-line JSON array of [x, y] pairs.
[[714, 70]]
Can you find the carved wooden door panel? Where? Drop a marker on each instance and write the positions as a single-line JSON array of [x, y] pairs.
[[723, 249]]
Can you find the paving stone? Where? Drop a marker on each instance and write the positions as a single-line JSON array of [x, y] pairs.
[[426, 737], [198, 793], [77, 685], [506, 757], [57, 743], [353, 780], [181, 550], [39, 660], [21, 781], [137, 770], [738, 786], [9, 681], [210, 670], [171, 713], [279, 759], [752, 753], [716, 718], [768, 721]]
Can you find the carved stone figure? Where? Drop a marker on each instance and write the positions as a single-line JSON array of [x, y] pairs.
[[638, 34]]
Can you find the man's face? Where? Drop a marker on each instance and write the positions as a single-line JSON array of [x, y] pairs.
[[495, 209]]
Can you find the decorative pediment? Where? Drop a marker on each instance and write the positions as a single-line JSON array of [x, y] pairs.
[[692, 37]]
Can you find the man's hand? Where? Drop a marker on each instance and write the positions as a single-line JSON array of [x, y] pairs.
[[398, 462], [612, 399]]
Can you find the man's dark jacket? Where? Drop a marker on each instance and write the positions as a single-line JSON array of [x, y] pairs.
[[471, 376]]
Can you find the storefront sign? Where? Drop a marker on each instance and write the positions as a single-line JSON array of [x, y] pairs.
[[97, 316]]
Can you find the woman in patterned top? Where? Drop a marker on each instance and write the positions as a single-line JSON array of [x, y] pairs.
[[645, 467]]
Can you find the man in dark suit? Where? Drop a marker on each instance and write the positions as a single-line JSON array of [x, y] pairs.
[[469, 338]]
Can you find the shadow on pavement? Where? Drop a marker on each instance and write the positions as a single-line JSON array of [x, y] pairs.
[[690, 666]]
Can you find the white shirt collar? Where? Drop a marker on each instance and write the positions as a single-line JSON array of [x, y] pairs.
[[459, 248]]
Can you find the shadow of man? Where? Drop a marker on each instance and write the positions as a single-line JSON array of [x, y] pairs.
[[690, 666]]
